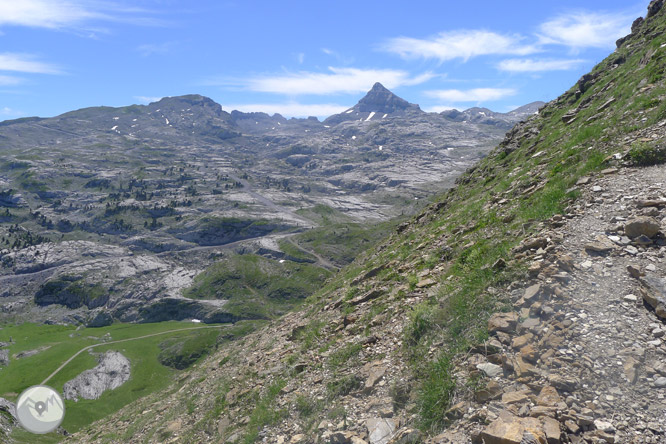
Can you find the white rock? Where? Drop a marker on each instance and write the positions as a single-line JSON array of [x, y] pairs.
[[491, 370], [604, 426]]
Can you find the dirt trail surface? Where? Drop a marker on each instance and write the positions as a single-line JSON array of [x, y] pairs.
[[582, 357], [321, 261]]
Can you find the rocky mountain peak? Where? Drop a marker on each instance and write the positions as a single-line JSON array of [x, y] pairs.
[[188, 101], [381, 100]]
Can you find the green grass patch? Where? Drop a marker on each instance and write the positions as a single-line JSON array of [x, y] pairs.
[[341, 356], [343, 385], [180, 353], [646, 154], [257, 287], [265, 412], [58, 343]]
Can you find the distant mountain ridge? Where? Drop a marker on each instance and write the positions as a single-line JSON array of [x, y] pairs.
[[182, 173]]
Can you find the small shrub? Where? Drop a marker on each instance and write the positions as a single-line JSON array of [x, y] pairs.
[[421, 321], [305, 406], [343, 386], [344, 354], [435, 394], [642, 154]]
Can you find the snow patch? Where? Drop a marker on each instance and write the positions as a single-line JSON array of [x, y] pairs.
[[116, 118], [196, 321], [384, 116], [372, 114], [381, 147], [353, 137], [350, 111], [114, 128]]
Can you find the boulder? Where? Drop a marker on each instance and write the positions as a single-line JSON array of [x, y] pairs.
[[653, 290], [642, 226], [4, 356], [551, 428], [380, 430], [510, 429], [490, 370], [504, 322]]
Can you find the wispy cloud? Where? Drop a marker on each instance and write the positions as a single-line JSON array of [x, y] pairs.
[[291, 109], [463, 44], [26, 63], [471, 95], [339, 57], [586, 29], [63, 14], [6, 111], [438, 108], [10, 80], [150, 49], [147, 99], [539, 65], [337, 80]]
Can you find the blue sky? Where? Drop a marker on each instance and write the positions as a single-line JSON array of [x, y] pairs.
[[299, 58]]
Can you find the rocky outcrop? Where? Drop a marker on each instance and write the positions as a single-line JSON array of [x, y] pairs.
[[112, 371]]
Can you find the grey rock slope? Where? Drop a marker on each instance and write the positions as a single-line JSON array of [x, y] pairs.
[[112, 371], [106, 211]]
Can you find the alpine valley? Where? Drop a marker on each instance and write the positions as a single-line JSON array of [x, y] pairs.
[[182, 274]]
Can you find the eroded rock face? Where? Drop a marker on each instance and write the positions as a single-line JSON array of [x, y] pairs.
[[112, 371]]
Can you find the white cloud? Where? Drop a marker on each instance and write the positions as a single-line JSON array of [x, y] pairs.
[[60, 14], [155, 48], [147, 99], [439, 108], [44, 13], [5, 111], [586, 29], [25, 63], [338, 80], [463, 44], [10, 80], [290, 109], [472, 95], [531, 65]]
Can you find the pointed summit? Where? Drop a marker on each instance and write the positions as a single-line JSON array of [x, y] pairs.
[[381, 100], [377, 104]]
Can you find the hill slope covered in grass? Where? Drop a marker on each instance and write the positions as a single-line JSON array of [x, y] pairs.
[[398, 346]]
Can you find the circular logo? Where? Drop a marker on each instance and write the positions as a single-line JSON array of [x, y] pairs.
[[40, 409]]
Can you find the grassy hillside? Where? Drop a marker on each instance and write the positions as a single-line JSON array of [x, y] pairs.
[[54, 344], [412, 305]]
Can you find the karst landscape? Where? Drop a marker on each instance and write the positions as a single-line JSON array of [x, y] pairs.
[[385, 275]]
